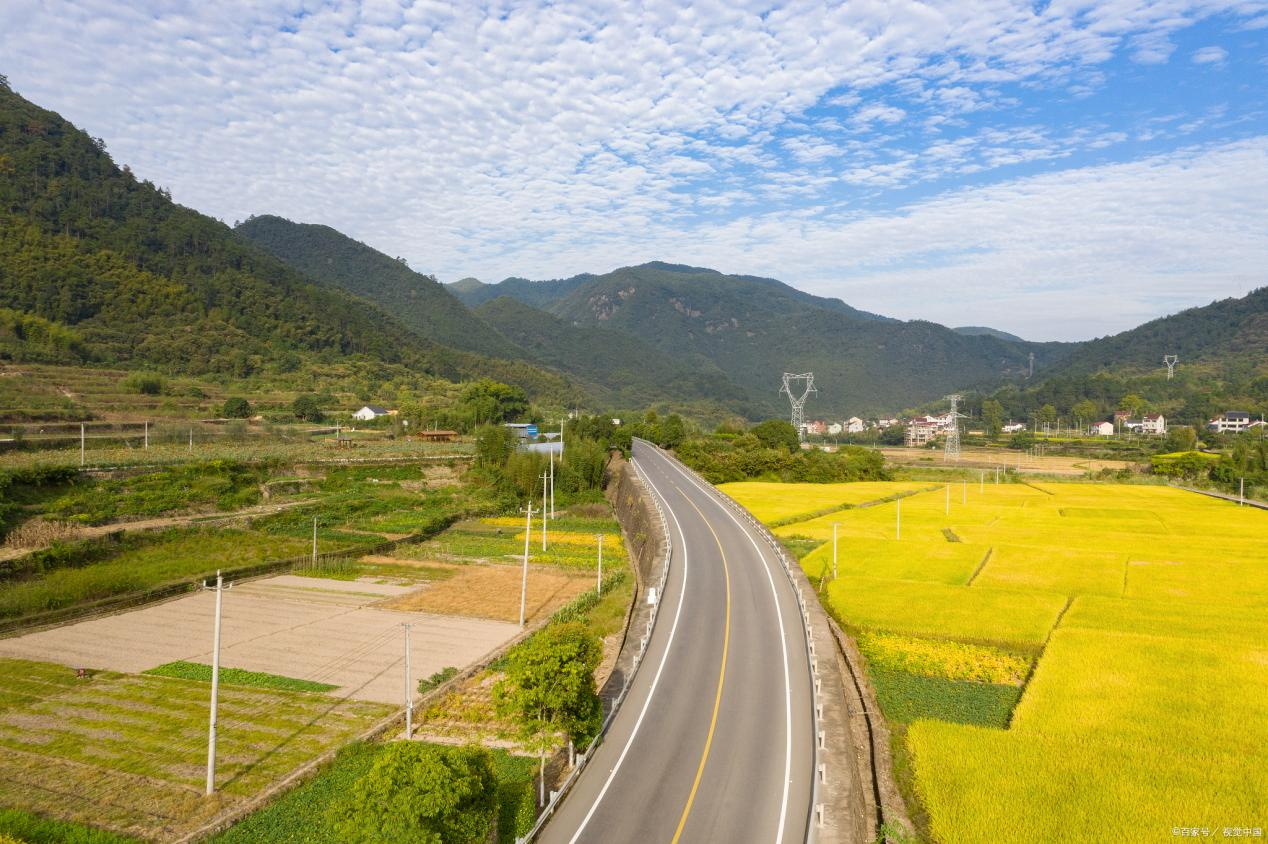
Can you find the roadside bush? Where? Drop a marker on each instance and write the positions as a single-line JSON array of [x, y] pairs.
[[416, 792]]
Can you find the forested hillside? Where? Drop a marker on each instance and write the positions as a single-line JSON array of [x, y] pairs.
[[144, 281], [420, 302], [615, 367], [754, 329]]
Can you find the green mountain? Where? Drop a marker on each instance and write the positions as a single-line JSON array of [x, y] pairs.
[[539, 294], [333, 259], [1230, 331], [615, 367], [144, 281], [984, 331], [754, 329]]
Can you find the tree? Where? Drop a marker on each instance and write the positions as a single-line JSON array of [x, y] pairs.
[[1133, 404], [493, 446], [993, 417], [418, 792], [549, 688], [777, 433], [1047, 415], [672, 431], [487, 400], [1084, 411], [1180, 438], [305, 407], [236, 407]]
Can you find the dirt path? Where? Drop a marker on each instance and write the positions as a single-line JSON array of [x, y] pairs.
[[94, 531]]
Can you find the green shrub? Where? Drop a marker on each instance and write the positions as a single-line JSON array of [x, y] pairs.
[[417, 792], [236, 407], [145, 383]]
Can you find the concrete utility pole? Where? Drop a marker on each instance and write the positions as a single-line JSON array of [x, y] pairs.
[[81, 444], [1241, 495], [599, 586], [834, 550], [191, 440], [147, 435], [552, 484], [964, 491], [215, 688], [528, 529], [544, 480], [409, 696], [314, 540]]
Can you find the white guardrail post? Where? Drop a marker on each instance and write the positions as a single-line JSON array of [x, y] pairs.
[[584, 757]]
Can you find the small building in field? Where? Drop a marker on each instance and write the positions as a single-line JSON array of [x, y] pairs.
[[1154, 424], [437, 436], [371, 412], [854, 425], [1102, 429], [817, 427], [1013, 427]]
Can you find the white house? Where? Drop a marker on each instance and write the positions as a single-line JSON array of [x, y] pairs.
[[369, 412], [854, 425], [886, 423], [1234, 421], [1153, 423], [834, 428], [1013, 427], [1102, 429]]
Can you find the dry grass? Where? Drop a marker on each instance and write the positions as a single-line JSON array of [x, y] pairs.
[[40, 533], [494, 592]]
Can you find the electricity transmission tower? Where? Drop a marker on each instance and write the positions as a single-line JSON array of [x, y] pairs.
[[798, 402], [1170, 361], [951, 451]]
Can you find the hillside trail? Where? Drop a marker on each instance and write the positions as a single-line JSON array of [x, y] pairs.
[[95, 531]]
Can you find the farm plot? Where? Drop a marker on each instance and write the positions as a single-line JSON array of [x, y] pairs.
[[129, 751], [776, 502], [1061, 662], [327, 631]]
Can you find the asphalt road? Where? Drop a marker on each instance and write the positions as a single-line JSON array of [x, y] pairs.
[[714, 741]]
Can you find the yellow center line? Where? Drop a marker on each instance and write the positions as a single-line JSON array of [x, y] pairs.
[[717, 701]]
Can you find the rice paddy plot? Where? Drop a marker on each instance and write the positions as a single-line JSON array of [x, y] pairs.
[[778, 502], [1134, 615]]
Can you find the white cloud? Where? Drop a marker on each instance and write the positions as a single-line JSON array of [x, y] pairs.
[[536, 138], [1210, 55]]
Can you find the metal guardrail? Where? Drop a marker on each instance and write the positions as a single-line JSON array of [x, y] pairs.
[[584, 757], [817, 807]]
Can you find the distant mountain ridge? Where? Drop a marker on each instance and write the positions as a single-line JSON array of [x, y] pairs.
[[984, 331]]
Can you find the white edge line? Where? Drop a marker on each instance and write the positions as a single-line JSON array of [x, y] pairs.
[[783, 809], [682, 595]]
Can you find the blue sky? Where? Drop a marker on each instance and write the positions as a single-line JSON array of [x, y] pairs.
[[1061, 170]]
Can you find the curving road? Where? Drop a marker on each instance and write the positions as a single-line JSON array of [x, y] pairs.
[[714, 740]]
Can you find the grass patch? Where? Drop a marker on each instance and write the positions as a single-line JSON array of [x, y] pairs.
[[444, 675], [29, 828], [238, 677], [218, 484], [905, 697]]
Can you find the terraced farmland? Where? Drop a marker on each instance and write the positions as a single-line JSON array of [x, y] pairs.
[[1059, 662]]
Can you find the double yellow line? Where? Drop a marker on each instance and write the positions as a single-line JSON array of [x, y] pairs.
[[717, 700]]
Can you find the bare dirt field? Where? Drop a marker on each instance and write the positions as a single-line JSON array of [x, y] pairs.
[[972, 458], [330, 631], [487, 591]]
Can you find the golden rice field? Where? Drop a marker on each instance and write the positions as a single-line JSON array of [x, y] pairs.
[[784, 502], [1059, 662]]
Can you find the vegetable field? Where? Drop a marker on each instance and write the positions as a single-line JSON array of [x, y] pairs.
[[1059, 662]]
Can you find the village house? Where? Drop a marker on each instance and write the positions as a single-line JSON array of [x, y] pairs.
[[1230, 421], [1102, 429], [370, 412]]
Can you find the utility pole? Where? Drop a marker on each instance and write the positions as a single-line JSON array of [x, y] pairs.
[[81, 444], [215, 687], [147, 435], [314, 540], [552, 485], [834, 550], [964, 491], [1241, 495], [191, 440], [981, 482], [544, 479], [599, 586], [528, 529], [409, 696]]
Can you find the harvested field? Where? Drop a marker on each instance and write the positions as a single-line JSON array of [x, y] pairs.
[[315, 629], [494, 592], [970, 458]]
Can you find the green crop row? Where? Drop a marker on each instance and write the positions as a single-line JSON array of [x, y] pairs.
[[237, 677]]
